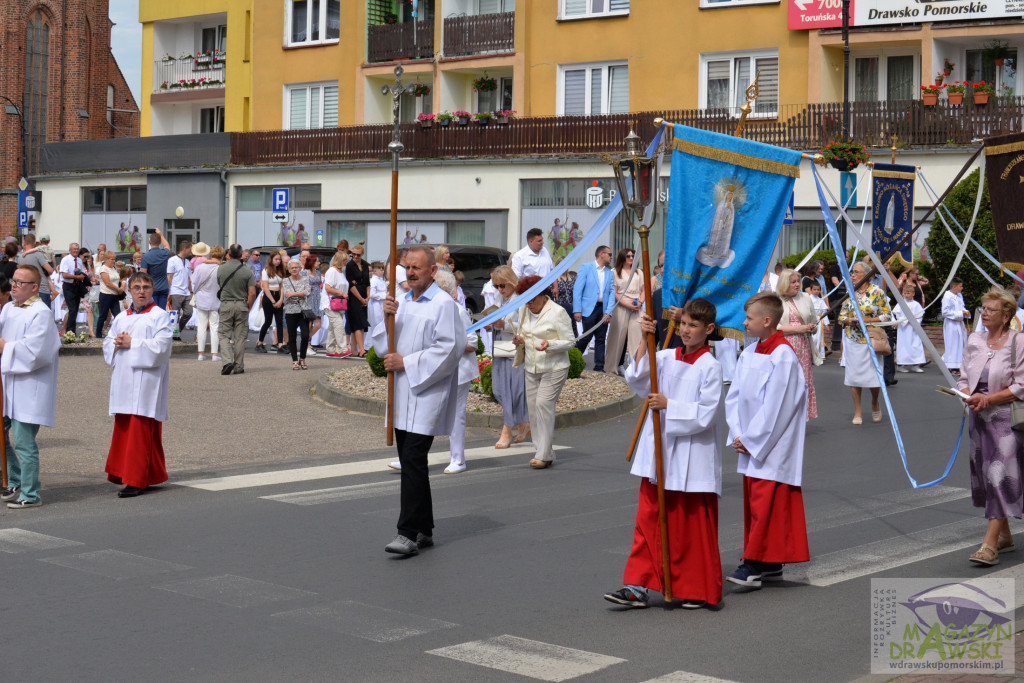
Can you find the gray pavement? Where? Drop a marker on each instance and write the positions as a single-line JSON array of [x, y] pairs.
[[238, 578]]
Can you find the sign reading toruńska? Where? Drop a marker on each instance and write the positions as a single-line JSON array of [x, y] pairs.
[[815, 14]]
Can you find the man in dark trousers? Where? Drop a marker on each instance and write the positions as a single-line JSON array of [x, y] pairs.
[[593, 300]]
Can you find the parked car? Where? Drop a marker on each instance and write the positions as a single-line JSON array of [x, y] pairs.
[[476, 262]]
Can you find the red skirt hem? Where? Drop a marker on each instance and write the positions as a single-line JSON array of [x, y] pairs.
[[136, 456], [774, 527]]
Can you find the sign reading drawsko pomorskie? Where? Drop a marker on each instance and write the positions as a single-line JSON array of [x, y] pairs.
[[814, 14]]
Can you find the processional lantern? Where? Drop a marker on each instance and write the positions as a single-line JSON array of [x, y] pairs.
[[636, 179]]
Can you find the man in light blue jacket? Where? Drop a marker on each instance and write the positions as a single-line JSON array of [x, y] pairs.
[[593, 300]]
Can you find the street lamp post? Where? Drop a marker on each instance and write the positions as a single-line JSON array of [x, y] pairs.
[[395, 90]]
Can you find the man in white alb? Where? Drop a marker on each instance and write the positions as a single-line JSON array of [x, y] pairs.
[[533, 259]]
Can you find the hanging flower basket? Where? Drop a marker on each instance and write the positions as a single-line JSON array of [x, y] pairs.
[[844, 156], [421, 90], [462, 116], [485, 84]]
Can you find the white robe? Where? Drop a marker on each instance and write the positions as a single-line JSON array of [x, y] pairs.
[[378, 292], [954, 334], [691, 434], [29, 363], [139, 383], [727, 353], [909, 348], [468, 368], [766, 408], [491, 297], [431, 338], [817, 339]]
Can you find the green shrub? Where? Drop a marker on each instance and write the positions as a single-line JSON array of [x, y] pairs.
[[479, 345], [486, 381], [576, 363], [375, 362]]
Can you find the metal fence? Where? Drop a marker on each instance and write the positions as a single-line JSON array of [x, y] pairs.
[[189, 72]]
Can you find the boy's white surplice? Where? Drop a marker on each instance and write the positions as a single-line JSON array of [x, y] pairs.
[[430, 338], [954, 333], [691, 439], [378, 292], [139, 383], [29, 363], [766, 408], [909, 348]]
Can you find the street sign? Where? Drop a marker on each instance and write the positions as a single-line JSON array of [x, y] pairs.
[[281, 200], [848, 189], [320, 237], [23, 219], [790, 210], [280, 217]]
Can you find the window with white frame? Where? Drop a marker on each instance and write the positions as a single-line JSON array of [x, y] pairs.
[[495, 100], [724, 77], [214, 38], [211, 120], [593, 89], [313, 105], [884, 76], [581, 9], [313, 21], [410, 106], [735, 3]]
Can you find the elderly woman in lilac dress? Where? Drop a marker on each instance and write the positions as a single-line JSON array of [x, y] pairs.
[[993, 382]]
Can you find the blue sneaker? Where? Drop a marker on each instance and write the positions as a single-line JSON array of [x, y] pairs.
[[771, 571], [745, 575]]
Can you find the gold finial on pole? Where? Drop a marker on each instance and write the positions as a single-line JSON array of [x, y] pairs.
[[752, 92], [893, 148]]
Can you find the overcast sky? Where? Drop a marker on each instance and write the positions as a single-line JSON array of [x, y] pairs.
[[126, 42]]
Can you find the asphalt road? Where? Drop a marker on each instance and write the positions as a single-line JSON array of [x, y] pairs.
[[217, 576]]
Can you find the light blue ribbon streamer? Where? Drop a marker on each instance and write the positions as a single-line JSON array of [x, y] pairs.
[[834, 234], [581, 249]]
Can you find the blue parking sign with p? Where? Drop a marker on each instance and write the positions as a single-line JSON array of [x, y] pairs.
[[281, 198]]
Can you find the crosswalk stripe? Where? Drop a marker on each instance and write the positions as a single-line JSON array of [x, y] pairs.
[[242, 481], [20, 541], [531, 658], [880, 556], [1016, 573], [687, 677]]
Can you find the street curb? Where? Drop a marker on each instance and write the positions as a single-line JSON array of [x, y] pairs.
[[328, 393], [80, 350]]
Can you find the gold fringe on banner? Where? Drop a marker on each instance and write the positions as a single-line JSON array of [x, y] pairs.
[[1004, 149], [1015, 267], [730, 333], [737, 159], [875, 173]]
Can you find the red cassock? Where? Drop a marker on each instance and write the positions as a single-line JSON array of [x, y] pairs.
[[774, 528], [136, 456], [693, 544]]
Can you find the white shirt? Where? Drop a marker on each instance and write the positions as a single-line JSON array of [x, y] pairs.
[[691, 434], [766, 408], [525, 262], [139, 383], [69, 264], [336, 279], [430, 338], [399, 277], [178, 274], [29, 364], [601, 273]]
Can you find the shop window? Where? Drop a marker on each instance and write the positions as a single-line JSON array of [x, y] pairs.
[[250, 198], [465, 232], [353, 231], [137, 199], [117, 199]]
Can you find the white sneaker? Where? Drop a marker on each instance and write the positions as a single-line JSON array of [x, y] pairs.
[[455, 468], [396, 465], [201, 357], [916, 368], [215, 357], [310, 351], [900, 368]]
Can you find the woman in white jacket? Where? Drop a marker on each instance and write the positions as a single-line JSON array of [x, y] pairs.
[[799, 321], [542, 348]]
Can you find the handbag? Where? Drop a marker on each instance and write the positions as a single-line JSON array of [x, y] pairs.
[[307, 312], [504, 349], [879, 341], [339, 303], [1017, 406]]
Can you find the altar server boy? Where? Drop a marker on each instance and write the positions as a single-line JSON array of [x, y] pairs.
[[765, 409], [29, 345], [909, 349], [138, 347], [378, 292], [821, 333], [954, 333], [690, 388]]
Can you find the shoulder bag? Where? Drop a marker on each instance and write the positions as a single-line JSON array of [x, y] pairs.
[[307, 312], [879, 341], [1017, 406], [228, 279]]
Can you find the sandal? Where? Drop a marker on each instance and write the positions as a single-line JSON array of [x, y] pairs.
[[876, 415], [540, 464], [502, 444], [296, 366], [858, 420], [1005, 544], [520, 438], [302, 364], [986, 555]]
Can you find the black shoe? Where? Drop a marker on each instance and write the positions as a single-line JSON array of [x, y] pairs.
[[261, 348], [237, 371], [626, 596], [176, 338], [10, 493], [891, 382], [283, 349], [129, 492], [424, 541], [227, 368]]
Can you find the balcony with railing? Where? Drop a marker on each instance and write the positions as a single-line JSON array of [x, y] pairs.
[[479, 34], [203, 70], [406, 40], [806, 127]]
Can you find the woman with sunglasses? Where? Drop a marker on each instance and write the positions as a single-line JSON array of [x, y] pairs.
[[508, 383], [624, 329]]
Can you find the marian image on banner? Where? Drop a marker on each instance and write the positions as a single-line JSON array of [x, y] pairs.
[[728, 199], [892, 201], [1004, 173]]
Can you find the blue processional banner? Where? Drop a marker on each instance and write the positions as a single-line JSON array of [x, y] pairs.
[[728, 200], [892, 210]]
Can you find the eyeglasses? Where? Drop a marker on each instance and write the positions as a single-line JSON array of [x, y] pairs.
[[21, 283], [991, 311], [629, 255], [503, 285]]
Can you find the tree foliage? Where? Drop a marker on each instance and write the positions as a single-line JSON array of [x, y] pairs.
[[943, 250]]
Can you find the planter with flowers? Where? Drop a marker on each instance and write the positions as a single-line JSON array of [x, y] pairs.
[[983, 91], [426, 120], [390, 18], [939, 78], [844, 156], [998, 51], [420, 90], [444, 119], [930, 94], [1006, 92], [503, 116], [955, 92], [485, 84], [947, 68], [462, 116], [483, 117]]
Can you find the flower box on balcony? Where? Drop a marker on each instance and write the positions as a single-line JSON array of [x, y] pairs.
[[462, 116]]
